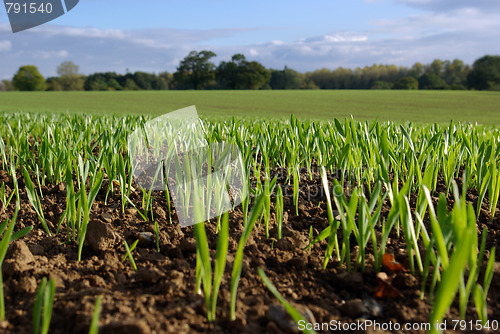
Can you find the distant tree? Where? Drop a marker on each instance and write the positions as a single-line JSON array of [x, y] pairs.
[[308, 84], [101, 81], [96, 81], [159, 83], [241, 74], [455, 73], [342, 78], [53, 84], [286, 79], [485, 74], [406, 83], [113, 84], [6, 85], [145, 81], [130, 84], [28, 78], [431, 81], [196, 70], [416, 70], [69, 78], [436, 67], [321, 78], [381, 85], [166, 79]]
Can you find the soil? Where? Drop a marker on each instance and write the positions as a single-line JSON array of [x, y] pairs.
[[161, 297]]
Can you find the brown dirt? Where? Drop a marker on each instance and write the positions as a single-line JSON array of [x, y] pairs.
[[161, 298]]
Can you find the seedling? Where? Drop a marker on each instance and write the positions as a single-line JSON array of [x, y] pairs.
[[42, 311]]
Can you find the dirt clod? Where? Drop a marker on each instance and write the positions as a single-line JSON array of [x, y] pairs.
[[100, 236], [353, 308], [351, 280], [126, 327], [18, 258]]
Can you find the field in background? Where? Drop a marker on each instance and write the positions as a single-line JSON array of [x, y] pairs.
[[398, 106]]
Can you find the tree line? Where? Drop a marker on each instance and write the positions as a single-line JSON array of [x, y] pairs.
[[197, 71]]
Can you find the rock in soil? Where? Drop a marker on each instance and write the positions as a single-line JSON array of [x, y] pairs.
[[146, 239], [100, 236], [106, 217], [353, 308], [279, 317]]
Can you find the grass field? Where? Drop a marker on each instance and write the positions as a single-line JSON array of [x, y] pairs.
[[399, 106]]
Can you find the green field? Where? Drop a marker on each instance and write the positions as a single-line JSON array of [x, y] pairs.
[[399, 106]]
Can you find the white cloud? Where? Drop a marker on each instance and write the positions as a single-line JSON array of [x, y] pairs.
[[253, 52], [337, 37]]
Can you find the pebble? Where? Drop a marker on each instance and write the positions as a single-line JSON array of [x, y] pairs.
[[279, 316], [146, 239], [131, 211], [353, 308], [107, 218]]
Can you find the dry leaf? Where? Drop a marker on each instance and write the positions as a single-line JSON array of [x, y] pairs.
[[385, 288], [390, 263]]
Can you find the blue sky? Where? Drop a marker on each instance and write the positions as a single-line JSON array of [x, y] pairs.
[[154, 35]]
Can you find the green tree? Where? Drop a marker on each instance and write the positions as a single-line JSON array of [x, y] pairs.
[[53, 84], [308, 84], [381, 85], [321, 78], [431, 81], [342, 78], [406, 83], [195, 71], [455, 73], [130, 84], [241, 74], [149, 81], [113, 84], [166, 79], [6, 85], [485, 74], [69, 78], [286, 79], [436, 67], [417, 70], [28, 78]]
